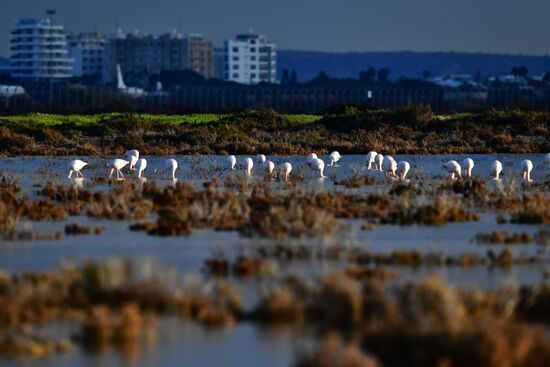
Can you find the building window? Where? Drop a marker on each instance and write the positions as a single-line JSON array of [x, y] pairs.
[[252, 49], [235, 49], [235, 67], [235, 58], [253, 67], [252, 75], [235, 75]]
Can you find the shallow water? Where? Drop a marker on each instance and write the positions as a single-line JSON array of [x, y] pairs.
[[180, 343], [33, 171], [189, 344], [188, 253]]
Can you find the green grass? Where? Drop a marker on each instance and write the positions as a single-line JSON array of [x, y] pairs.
[[83, 120]]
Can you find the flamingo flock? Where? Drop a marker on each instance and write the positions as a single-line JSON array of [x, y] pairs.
[[387, 165]]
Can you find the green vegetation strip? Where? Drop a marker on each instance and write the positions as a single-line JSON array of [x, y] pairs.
[[49, 119]]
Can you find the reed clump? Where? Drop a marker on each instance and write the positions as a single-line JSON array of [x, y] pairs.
[[535, 209], [14, 346], [334, 351], [499, 237]]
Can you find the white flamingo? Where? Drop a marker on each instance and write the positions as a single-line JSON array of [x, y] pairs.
[[261, 159], [232, 160], [75, 166], [453, 168], [140, 166], [248, 165], [379, 160], [371, 157], [467, 166], [117, 165], [526, 168], [286, 168], [389, 165], [334, 158], [268, 167], [311, 157], [496, 170], [133, 160], [128, 156], [403, 168], [170, 166], [318, 165]]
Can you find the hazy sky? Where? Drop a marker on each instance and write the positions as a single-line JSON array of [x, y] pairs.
[[494, 26]]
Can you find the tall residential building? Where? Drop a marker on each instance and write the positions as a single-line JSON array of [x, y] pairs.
[[39, 50], [250, 59], [90, 52], [141, 55], [199, 55]]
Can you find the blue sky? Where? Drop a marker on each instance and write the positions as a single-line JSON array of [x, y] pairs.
[[492, 26]]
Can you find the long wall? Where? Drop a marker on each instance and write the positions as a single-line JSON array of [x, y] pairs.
[[290, 99]]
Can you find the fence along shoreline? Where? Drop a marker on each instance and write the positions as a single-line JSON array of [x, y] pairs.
[[285, 99]]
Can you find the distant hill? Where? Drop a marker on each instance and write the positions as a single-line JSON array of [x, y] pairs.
[[409, 64]]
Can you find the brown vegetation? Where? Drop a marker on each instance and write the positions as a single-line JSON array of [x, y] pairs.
[[410, 130]]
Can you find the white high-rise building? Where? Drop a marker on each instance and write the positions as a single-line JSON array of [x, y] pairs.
[[250, 59], [90, 52], [39, 50]]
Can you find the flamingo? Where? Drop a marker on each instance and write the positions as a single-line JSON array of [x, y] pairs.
[[116, 165], [496, 170], [453, 168], [249, 164], [334, 158], [133, 160], [170, 165], [379, 160], [75, 166], [371, 157], [128, 156], [140, 166], [526, 168], [311, 157], [261, 159], [232, 160], [467, 166], [389, 165], [318, 165], [403, 168], [268, 167], [287, 168]]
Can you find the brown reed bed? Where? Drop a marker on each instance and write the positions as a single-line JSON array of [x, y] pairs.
[[117, 304], [408, 130], [255, 209]]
